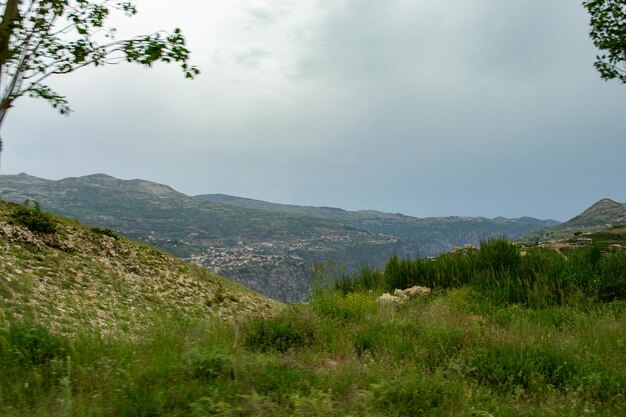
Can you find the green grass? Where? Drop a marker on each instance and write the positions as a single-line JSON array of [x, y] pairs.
[[501, 334], [499, 271], [453, 353]]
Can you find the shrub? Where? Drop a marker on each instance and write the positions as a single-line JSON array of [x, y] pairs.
[[291, 329], [418, 395], [29, 346], [370, 339], [365, 278], [499, 255], [34, 218], [105, 232], [612, 279], [506, 367], [208, 364], [353, 306]]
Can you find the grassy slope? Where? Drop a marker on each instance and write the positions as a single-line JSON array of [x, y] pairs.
[[79, 278]]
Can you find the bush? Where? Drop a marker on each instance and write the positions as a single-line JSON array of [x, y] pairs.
[[291, 329], [507, 367], [105, 232], [34, 218], [29, 346], [499, 255], [418, 395], [366, 278], [370, 339], [612, 280], [351, 307], [208, 364]]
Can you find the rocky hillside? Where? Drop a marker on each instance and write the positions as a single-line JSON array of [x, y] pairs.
[[82, 277]]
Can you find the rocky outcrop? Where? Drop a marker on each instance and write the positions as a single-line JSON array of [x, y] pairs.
[[400, 296]]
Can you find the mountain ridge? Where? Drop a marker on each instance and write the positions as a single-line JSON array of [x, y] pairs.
[[268, 247], [600, 216]]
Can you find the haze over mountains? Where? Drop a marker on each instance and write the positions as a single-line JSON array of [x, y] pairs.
[[268, 247]]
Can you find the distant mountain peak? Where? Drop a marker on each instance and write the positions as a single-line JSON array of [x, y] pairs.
[[98, 176], [24, 175], [602, 215], [605, 202]]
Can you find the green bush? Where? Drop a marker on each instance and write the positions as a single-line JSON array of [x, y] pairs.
[[505, 368], [276, 378], [208, 364], [28, 346], [105, 232], [34, 218], [370, 339], [350, 307], [290, 329], [366, 278], [418, 395], [499, 255], [612, 278]]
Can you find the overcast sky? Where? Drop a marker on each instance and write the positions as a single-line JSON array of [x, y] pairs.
[[424, 107]]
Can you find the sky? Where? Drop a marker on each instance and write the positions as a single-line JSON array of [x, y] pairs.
[[422, 107]]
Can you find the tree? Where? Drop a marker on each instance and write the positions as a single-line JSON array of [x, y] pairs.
[[608, 32], [43, 38]]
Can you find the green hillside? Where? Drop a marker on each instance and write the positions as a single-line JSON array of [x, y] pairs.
[[432, 235], [79, 277], [601, 216]]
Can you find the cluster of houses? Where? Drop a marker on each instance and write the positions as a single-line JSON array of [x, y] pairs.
[[586, 241]]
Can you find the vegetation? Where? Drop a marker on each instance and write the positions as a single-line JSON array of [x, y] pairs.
[[33, 218], [488, 340], [77, 277], [40, 39], [503, 274], [608, 32]]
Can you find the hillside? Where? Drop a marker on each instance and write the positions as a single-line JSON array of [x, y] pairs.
[[270, 252], [267, 247], [601, 216], [81, 277], [432, 235]]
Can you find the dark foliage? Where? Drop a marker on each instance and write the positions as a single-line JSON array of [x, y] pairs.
[[34, 218]]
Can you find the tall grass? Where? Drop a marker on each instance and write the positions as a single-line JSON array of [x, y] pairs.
[[499, 271], [503, 334], [450, 354]]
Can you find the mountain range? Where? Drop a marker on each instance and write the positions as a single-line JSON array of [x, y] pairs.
[[265, 246]]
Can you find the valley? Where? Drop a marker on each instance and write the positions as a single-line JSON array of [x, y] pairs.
[[268, 247]]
